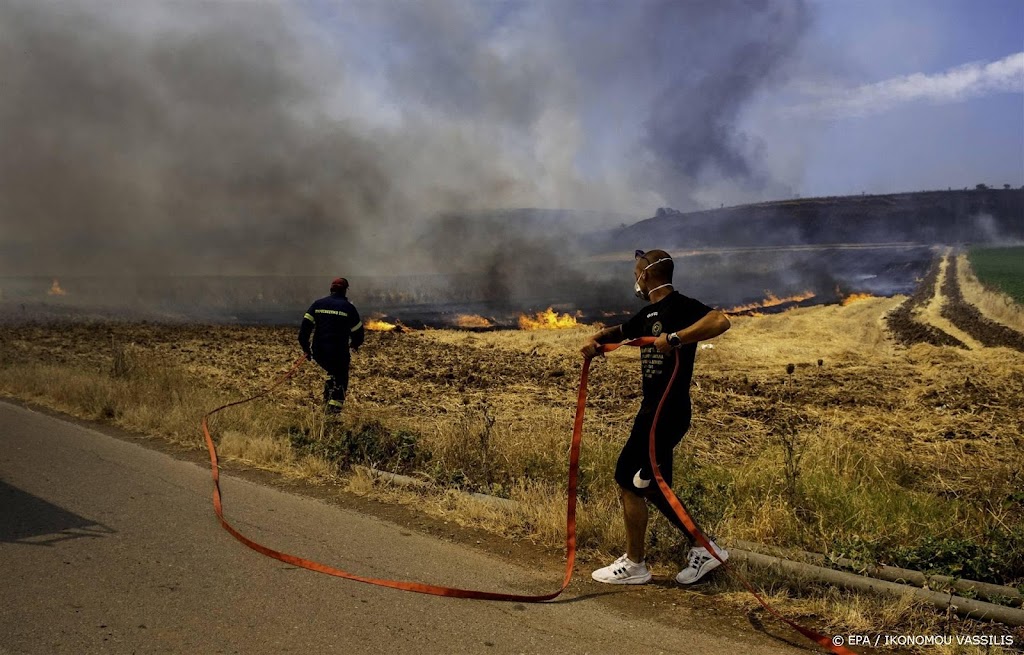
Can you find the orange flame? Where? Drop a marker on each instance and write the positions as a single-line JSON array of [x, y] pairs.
[[55, 289], [855, 297], [377, 325], [547, 320], [771, 300], [472, 321]]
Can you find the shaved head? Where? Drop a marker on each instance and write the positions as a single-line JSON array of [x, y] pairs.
[[658, 273]]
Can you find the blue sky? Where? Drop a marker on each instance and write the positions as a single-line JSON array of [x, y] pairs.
[[886, 38], [919, 144]]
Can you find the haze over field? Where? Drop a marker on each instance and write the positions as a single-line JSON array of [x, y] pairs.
[[282, 138]]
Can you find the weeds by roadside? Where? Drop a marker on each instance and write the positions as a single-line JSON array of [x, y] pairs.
[[905, 457]]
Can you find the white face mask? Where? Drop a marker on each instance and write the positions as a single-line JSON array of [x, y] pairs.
[[636, 286]]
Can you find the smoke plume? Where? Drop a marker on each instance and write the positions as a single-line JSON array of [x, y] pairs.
[[323, 137]]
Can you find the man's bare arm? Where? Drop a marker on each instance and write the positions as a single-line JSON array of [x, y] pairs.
[[710, 326], [608, 335], [713, 324], [611, 334]]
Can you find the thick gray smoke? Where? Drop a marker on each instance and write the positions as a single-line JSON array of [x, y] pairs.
[[691, 126], [314, 137]]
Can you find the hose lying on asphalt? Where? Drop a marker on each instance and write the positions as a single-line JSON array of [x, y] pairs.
[[570, 518]]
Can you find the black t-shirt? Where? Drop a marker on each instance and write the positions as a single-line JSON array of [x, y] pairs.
[[670, 314]]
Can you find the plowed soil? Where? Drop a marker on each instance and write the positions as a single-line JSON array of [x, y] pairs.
[[905, 326], [967, 317]]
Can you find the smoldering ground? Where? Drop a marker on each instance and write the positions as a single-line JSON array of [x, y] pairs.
[[194, 137]]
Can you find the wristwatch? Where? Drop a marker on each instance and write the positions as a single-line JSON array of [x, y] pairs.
[[673, 340]]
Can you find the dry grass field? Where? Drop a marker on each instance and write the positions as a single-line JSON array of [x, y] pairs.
[[813, 429]]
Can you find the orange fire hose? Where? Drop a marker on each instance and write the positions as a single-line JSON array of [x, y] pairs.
[[570, 521]]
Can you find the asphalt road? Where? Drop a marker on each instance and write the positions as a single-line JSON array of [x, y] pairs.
[[109, 547]]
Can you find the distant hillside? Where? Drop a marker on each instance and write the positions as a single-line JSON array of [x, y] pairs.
[[952, 217]]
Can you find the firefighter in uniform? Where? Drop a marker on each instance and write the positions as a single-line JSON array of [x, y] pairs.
[[334, 324]]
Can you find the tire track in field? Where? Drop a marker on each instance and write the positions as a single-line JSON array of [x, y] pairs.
[[903, 324], [966, 317], [933, 312]]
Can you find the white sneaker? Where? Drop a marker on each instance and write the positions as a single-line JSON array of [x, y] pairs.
[[623, 571], [700, 562]]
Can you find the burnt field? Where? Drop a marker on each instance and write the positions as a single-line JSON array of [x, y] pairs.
[[594, 288], [817, 427]]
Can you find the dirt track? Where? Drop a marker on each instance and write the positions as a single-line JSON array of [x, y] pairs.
[[904, 325], [967, 317], [910, 323]]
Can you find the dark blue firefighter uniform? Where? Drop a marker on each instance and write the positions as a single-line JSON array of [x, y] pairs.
[[334, 323]]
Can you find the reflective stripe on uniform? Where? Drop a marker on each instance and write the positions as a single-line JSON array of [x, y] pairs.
[[334, 403], [335, 312], [309, 318], [357, 326]]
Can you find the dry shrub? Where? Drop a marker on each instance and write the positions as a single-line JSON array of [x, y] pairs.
[[540, 514], [262, 450], [481, 447], [466, 510], [81, 393], [148, 394], [315, 469], [127, 359]]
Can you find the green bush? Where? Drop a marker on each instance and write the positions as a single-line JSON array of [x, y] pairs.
[[998, 558]]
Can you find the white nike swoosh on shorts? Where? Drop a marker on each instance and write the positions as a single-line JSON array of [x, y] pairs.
[[639, 482]]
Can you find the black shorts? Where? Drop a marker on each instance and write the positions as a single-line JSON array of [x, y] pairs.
[[633, 470]]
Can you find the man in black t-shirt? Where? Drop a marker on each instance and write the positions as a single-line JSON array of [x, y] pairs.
[[678, 322], [334, 325]]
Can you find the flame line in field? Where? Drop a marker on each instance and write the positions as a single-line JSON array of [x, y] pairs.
[[379, 325], [771, 300], [548, 319], [856, 297]]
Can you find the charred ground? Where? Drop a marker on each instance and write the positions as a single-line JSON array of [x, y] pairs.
[[501, 264]]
